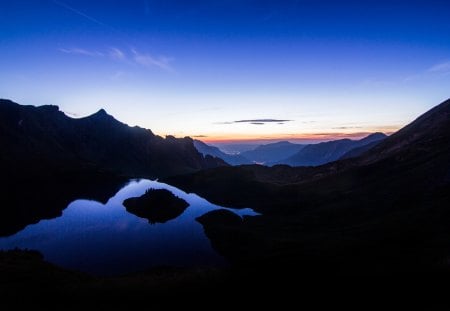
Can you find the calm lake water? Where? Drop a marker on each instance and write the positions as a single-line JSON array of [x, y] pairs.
[[105, 239]]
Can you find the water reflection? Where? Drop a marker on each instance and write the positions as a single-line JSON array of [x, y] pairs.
[[105, 239]]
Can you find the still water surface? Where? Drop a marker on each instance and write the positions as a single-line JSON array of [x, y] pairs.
[[105, 239]]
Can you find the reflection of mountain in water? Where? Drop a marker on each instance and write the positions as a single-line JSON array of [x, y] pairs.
[[30, 200], [106, 239]]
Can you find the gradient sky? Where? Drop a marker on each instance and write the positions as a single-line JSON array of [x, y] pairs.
[[285, 69]]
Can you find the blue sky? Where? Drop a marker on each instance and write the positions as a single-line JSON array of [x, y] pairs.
[[327, 68]]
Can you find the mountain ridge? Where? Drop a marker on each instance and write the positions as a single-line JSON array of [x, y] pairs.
[[384, 212], [272, 153], [99, 141], [322, 153], [233, 159]]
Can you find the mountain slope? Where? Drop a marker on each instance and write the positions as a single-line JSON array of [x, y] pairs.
[[356, 152], [272, 153], [382, 213], [233, 159], [429, 133], [318, 154], [44, 138]]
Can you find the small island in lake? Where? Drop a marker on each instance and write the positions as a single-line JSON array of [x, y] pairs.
[[157, 205]]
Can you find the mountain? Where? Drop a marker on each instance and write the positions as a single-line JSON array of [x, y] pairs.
[[355, 152], [43, 139], [271, 153], [318, 154], [428, 135], [235, 148], [384, 212], [48, 159], [233, 159]]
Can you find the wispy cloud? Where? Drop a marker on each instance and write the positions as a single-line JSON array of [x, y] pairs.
[[437, 70], [133, 56], [116, 54], [78, 12], [333, 135], [147, 60], [78, 51], [346, 127], [262, 121], [443, 67], [117, 75], [257, 121]]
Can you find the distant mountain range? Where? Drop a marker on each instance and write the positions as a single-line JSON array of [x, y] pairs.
[[43, 139], [318, 154], [379, 211], [285, 152], [272, 153], [233, 159]]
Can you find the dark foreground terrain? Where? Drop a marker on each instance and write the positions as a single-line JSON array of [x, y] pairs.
[[385, 212], [370, 231], [28, 281]]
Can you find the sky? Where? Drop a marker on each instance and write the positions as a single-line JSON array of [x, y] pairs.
[[231, 70]]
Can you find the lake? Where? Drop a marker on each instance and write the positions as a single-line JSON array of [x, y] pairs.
[[105, 239]]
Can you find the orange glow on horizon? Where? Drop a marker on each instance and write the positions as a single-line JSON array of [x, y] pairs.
[[312, 137]]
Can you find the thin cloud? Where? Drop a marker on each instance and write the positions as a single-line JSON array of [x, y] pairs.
[[117, 75], [443, 67], [346, 127], [150, 61], [256, 121], [78, 12], [78, 51], [133, 57], [333, 136], [439, 69], [116, 54], [261, 121]]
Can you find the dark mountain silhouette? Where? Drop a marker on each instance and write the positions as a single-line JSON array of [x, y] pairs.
[[48, 159], [355, 152], [233, 159], [428, 134], [272, 153], [384, 212], [45, 139], [318, 154]]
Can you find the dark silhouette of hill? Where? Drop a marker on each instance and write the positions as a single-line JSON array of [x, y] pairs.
[[48, 159], [157, 205], [382, 213], [321, 153], [45, 139], [427, 134], [355, 152], [272, 153], [233, 159]]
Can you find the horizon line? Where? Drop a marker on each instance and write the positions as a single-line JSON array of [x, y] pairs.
[[301, 138]]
